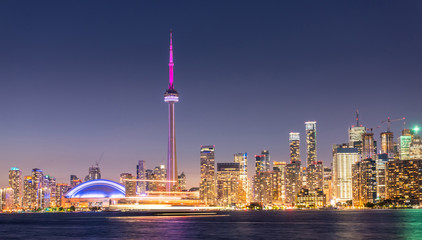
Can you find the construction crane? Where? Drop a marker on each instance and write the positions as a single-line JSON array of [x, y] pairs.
[[99, 160], [389, 121]]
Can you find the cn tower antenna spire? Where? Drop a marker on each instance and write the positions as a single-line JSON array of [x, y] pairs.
[[171, 64]]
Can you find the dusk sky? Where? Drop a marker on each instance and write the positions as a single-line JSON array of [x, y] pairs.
[[78, 78]]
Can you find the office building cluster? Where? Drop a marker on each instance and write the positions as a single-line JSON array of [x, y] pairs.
[[367, 173], [283, 184], [38, 190], [149, 180], [362, 174]]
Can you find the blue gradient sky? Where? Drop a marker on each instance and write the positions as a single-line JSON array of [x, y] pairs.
[[81, 77]]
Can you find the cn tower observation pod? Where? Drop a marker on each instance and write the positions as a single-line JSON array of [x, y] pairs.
[[99, 188]]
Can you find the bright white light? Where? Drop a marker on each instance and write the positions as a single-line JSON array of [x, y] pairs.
[[171, 98]]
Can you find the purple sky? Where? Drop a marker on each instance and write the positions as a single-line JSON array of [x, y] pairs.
[[79, 78]]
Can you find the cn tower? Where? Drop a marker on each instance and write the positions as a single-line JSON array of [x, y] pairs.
[[171, 96]]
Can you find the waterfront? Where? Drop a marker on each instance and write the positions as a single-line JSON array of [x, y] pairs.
[[289, 224]]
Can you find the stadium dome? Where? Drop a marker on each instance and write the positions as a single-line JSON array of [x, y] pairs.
[[99, 188]]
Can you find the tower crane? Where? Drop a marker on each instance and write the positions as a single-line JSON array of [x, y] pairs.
[[99, 160], [389, 121]]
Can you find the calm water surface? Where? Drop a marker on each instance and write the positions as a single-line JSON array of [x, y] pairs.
[[361, 224]]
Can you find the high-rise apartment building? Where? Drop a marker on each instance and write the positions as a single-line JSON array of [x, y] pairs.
[[61, 190], [315, 176], [364, 182], [37, 184], [15, 183], [293, 181], [343, 159], [262, 188], [229, 191], [404, 181], [207, 191], [27, 192], [262, 162], [311, 149], [242, 159], [294, 146]]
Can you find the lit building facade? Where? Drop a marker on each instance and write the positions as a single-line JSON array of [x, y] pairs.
[[140, 175], [207, 185], [15, 183], [387, 144], [61, 190], [405, 141], [130, 186], [182, 181], [229, 191], [294, 146], [27, 192], [315, 176], [37, 197], [123, 177], [311, 149], [415, 151], [310, 199], [343, 159], [404, 181], [293, 182], [242, 159], [263, 191], [364, 182], [8, 200]]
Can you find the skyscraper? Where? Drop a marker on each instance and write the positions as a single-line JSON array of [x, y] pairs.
[[27, 192], [15, 183], [368, 146], [228, 189], [405, 141], [311, 142], [293, 181], [315, 176], [343, 159], [171, 96], [294, 145], [61, 190], [262, 162], [207, 184], [242, 159], [37, 184], [140, 175], [387, 144]]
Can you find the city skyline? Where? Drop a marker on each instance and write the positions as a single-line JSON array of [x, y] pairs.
[[58, 123]]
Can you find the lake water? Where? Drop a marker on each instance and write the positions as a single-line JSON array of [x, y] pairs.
[[293, 224]]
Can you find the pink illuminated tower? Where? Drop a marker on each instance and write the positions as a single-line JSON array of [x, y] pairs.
[[171, 96]]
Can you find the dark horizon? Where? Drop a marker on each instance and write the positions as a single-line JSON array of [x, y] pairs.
[[82, 78]]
